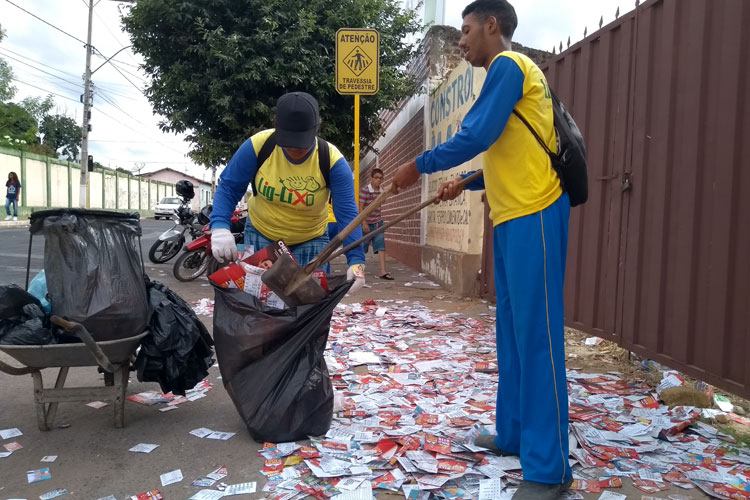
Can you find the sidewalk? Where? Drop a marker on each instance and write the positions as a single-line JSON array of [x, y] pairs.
[[14, 223], [93, 457]]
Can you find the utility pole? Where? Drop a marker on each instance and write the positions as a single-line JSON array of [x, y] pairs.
[[83, 197]]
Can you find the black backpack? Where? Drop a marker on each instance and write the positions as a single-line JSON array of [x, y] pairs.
[[324, 159], [570, 161]]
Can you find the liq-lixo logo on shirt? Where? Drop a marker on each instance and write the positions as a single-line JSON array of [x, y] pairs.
[[294, 190]]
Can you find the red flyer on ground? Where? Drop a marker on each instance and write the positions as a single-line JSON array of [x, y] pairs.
[[386, 448], [309, 452], [439, 444], [451, 467], [274, 465], [149, 495]]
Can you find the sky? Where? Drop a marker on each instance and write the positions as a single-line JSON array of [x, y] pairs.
[[50, 58]]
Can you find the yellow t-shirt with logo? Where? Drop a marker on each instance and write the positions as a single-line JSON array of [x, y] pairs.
[[292, 199], [518, 174]]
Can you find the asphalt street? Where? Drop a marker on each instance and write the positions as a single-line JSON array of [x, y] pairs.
[[14, 251]]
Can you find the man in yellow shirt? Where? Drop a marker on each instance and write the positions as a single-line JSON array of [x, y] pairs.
[[291, 189], [530, 215]]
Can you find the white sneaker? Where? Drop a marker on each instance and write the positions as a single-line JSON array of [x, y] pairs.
[[15, 218], [7, 217]]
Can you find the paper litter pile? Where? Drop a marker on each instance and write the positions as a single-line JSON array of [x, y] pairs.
[[429, 388]]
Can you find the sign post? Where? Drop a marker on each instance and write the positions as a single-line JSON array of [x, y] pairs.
[[357, 70]]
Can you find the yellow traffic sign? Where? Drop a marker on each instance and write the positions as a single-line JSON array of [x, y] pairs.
[[357, 61]]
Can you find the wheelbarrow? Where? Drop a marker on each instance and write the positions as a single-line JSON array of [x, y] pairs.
[[112, 356]]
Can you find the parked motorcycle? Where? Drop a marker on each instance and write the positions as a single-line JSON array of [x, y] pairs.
[[197, 258], [171, 241]]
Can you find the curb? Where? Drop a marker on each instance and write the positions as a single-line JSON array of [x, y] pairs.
[[14, 223]]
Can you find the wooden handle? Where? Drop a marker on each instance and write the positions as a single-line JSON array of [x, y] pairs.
[[411, 211], [332, 245]]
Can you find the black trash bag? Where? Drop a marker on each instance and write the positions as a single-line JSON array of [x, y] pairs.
[[177, 353], [12, 300], [94, 271], [30, 327], [272, 364]]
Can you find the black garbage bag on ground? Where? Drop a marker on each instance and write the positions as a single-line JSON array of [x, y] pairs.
[[272, 364], [177, 353], [93, 269]]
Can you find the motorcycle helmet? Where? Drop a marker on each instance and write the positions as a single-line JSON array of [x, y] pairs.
[[204, 216], [185, 189]]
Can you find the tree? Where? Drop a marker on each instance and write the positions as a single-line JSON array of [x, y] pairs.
[[62, 134], [17, 126], [7, 90], [38, 107], [217, 68]]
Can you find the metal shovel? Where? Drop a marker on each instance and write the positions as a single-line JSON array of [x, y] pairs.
[[294, 284]]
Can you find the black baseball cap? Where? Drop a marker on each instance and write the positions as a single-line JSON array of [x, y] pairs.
[[297, 120]]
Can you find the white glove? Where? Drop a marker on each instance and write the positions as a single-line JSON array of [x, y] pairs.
[[223, 246], [356, 273]]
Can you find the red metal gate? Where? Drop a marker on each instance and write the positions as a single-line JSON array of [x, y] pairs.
[[658, 257]]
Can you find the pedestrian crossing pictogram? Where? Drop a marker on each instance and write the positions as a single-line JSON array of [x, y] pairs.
[[357, 61]]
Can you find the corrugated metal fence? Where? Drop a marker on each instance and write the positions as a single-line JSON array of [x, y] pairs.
[[659, 257]]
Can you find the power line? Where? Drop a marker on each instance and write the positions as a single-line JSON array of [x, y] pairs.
[[138, 77], [47, 23], [137, 131], [125, 77], [43, 71], [35, 61], [112, 103], [44, 90], [106, 26]]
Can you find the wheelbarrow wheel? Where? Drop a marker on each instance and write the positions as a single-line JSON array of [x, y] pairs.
[[191, 264]]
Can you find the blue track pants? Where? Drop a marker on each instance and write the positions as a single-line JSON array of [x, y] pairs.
[[532, 398]]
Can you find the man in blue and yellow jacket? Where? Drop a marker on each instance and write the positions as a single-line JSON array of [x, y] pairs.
[[529, 212], [292, 189]]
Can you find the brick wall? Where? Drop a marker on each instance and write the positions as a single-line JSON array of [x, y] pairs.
[[403, 239]]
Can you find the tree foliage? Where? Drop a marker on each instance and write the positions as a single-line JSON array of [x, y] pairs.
[[62, 134], [7, 90], [218, 67], [17, 124], [38, 107]]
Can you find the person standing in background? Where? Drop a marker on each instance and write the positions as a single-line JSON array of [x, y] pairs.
[[366, 196], [13, 192]]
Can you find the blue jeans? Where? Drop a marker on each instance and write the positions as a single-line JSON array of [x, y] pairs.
[[303, 253], [532, 398], [8, 203], [378, 242]]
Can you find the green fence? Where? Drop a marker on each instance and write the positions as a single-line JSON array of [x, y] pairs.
[[51, 183]]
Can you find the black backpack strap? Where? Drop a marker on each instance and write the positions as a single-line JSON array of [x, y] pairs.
[[531, 129], [265, 152], [324, 160]]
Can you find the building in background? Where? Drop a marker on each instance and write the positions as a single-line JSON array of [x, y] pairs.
[[202, 188]]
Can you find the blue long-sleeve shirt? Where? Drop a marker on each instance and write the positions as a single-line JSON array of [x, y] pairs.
[[483, 124], [242, 168]]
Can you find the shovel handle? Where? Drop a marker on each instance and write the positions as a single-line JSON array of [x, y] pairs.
[[411, 211], [332, 245]]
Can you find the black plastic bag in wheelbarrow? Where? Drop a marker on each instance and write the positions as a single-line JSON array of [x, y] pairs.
[[272, 364], [94, 271], [177, 352]]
